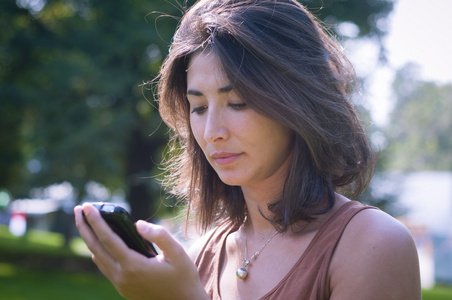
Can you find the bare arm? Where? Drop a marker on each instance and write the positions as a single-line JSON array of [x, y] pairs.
[[376, 259], [170, 275]]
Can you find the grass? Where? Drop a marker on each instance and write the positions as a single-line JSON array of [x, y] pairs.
[[20, 283], [41, 242], [438, 293], [38, 267]]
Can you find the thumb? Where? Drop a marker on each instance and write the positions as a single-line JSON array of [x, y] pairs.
[[162, 238]]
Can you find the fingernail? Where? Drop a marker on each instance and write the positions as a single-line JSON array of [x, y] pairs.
[[142, 226]]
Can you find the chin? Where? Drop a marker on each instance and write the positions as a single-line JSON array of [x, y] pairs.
[[231, 180]]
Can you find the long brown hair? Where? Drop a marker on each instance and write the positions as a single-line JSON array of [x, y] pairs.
[[287, 68]]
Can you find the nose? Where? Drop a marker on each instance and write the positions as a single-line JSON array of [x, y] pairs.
[[216, 126]]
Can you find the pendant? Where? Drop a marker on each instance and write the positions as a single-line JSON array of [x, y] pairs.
[[241, 273]]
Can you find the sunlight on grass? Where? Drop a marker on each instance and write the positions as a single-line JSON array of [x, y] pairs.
[[41, 240], [4, 233], [438, 293], [78, 246], [45, 238], [22, 280], [7, 270]]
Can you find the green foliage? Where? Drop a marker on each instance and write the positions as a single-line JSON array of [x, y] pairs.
[[368, 15], [71, 94], [419, 131]]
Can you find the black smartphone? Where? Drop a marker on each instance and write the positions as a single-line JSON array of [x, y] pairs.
[[122, 224]]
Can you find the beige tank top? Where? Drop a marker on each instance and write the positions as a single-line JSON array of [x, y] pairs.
[[307, 280]]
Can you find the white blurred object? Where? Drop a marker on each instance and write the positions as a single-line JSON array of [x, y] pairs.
[[18, 224]]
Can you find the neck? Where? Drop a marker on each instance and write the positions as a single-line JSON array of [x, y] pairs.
[[259, 194], [257, 211]]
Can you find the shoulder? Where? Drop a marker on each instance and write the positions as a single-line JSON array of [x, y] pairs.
[[214, 234], [199, 245], [376, 258]]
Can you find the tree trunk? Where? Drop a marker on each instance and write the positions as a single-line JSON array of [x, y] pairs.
[[139, 167]]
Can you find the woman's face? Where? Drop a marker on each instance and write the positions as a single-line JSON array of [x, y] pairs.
[[244, 147]]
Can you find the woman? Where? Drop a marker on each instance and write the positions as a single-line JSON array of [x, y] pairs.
[[257, 96]]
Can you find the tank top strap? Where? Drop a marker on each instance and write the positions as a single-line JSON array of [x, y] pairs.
[[209, 258], [308, 278]]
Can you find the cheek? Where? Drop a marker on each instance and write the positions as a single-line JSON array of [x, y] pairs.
[[197, 129], [284, 140], [277, 140]]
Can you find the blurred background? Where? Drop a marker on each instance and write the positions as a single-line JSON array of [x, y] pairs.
[[78, 122]]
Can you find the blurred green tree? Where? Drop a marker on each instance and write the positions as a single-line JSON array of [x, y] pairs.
[[420, 128], [73, 108], [369, 16]]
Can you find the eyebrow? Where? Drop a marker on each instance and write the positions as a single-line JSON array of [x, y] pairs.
[[225, 89]]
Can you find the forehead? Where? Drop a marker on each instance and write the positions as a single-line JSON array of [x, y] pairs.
[[205, 69]]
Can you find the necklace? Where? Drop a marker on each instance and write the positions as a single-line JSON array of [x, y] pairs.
[[242, 272]]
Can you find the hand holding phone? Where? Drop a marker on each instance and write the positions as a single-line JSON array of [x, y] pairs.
[[122, 224], [172, 276]]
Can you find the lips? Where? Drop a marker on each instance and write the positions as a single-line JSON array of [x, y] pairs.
[[224, 158]]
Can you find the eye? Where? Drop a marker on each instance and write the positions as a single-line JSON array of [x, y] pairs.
[[238, 106], [199, 110]]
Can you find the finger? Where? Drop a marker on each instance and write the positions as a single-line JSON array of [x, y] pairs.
[[94, 236], [109, 240], [85, 230], [79, 222], [100, 256], [161, 237]]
